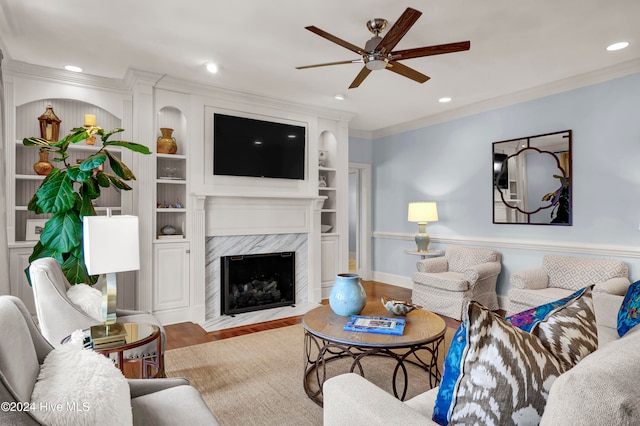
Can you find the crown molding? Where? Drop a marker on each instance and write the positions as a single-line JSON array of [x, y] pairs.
[[361, 134], [510, 243], [220, 93], [570, 83], [18, 68]]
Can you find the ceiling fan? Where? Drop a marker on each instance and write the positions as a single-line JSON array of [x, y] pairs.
[[378, 52]]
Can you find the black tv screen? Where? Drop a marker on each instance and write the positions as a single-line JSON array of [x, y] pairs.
[[249, 147]]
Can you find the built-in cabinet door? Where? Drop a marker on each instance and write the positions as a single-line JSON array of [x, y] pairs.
[[330, 251], [20, 287], [171, 276]]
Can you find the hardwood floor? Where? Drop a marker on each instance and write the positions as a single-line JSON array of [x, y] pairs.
[[187, 334]]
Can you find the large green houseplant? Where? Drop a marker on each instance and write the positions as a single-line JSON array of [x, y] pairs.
[[68, 192]]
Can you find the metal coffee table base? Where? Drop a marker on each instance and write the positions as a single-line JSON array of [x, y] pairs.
[[318, 352]]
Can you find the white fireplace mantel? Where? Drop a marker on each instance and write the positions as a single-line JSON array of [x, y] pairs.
[[255, 214], [239, 219]]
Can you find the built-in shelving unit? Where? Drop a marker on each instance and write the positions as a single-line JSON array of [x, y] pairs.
[[27, 182], [171, 253]]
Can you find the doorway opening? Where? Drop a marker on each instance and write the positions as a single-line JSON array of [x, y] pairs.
[[360, 219]]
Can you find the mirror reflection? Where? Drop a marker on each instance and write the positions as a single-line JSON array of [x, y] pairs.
[[532, 180]]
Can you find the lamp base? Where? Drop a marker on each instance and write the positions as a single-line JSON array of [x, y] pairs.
[[109, 299], [422, 238]]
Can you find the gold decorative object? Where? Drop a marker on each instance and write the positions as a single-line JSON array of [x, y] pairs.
[[90, 121], [49, 125], [398, 307], [166, 143], [43, 167]]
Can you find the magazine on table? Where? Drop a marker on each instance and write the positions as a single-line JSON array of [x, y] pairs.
[[378, 325]]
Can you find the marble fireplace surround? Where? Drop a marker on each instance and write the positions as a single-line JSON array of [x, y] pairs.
[[237, 225]]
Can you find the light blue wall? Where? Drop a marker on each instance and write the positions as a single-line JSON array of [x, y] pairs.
[[450, 163], [360, 150]]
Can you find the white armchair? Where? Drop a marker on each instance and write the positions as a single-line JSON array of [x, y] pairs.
[[560, 276], [445, 285], [58, 317], [23, 350]]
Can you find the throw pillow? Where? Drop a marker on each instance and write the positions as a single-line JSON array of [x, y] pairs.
[[525, 320], [87, 299], [494, 369], [629, 313], [80, 387]]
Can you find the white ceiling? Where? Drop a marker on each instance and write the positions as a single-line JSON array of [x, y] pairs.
[[515, 45]]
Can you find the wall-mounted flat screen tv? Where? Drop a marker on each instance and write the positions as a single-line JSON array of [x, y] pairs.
[[249, 147]]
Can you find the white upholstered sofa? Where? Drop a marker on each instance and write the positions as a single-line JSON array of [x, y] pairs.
[[445, 285], [560, 276], [601, 389]]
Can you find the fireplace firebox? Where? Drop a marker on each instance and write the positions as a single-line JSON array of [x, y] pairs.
[[254, 282]]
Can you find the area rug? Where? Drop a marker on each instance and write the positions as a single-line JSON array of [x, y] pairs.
[[256, 379]]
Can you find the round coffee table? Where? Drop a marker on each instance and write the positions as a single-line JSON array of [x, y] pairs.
[[325, 341]]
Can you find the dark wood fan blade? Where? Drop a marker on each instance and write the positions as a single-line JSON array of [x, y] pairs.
[[355, 61], [336, 40], [440, 49], [360, 77], [405, 71], [398, 30]]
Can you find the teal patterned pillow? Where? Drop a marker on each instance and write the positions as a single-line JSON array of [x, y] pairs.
[[629, 313], [525, 320], [496, 373]]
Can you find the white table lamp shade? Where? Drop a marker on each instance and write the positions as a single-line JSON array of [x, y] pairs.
[[423, 212], [111, 244]]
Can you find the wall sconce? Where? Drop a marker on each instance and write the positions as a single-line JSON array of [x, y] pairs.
[[49, 125]]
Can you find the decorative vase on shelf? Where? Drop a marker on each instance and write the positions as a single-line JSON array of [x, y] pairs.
[[347, 295], [43, 167], [166, 143], [323, 155]]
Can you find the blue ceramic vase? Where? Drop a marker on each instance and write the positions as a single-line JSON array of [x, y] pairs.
[[347, 295]]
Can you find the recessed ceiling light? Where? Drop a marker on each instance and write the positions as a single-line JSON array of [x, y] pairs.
[[212, 68], [339, 97], [444, 100], [258, 143], [617, 46], [72, 68]]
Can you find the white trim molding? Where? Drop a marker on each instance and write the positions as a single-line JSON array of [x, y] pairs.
[[511, 243]]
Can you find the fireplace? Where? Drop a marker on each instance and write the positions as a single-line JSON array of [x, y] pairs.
[[254, 282]]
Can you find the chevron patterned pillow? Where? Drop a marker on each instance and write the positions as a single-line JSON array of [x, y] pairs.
[[496, 373]]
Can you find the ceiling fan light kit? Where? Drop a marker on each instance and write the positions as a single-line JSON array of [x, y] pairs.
[[378, 51]]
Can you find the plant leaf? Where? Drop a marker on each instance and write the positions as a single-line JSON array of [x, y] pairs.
[[118, 183], [56, 194], [35, 142], [90, 189], [78, 175], [107, 135], [79, 134], [33, 205], [62, 232], [93, 161], [76, 272], [40, 251], [119, 167], [130, 145], [103, 180]]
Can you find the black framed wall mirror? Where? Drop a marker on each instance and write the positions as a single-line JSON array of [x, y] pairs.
[[532, 180]]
